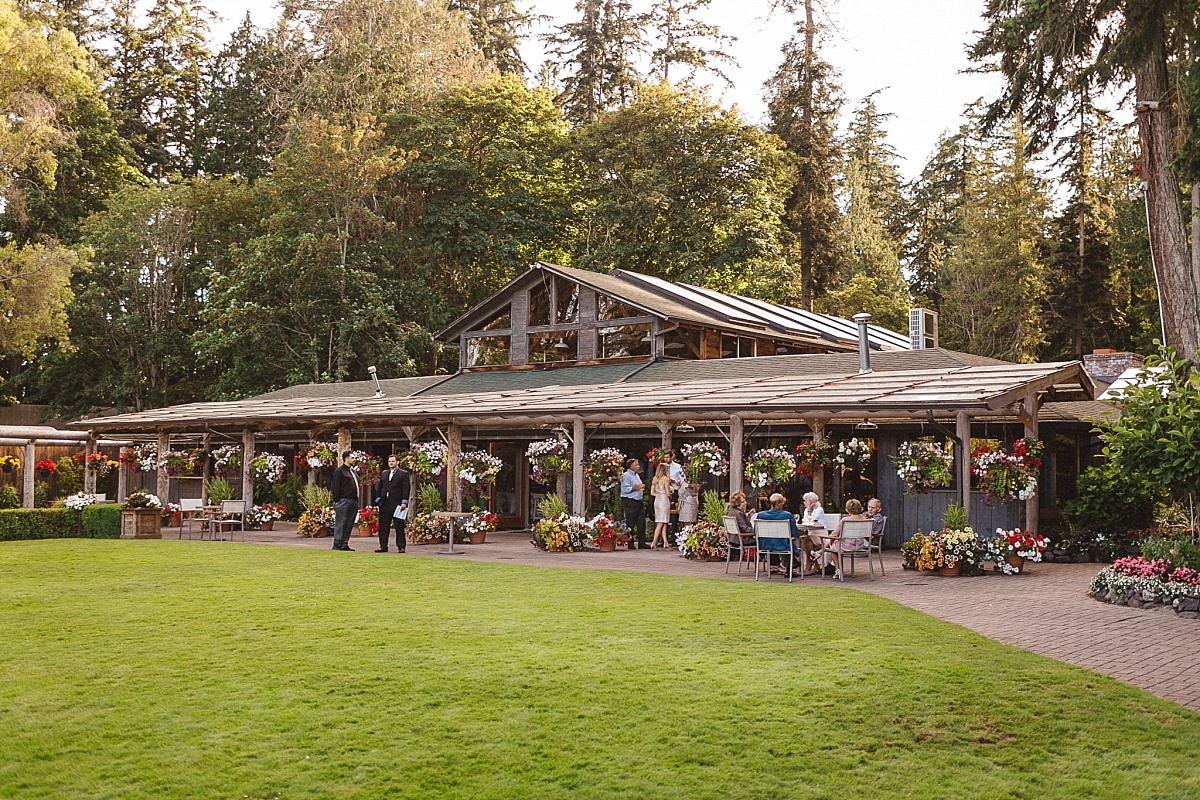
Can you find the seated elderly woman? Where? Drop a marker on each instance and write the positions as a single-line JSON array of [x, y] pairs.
[[854, 511], [737, 510]]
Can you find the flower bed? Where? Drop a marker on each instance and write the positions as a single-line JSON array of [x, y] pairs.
[[547, 459], [1143, 583], [923, 466]]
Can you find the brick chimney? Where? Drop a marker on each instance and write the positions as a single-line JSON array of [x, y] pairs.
[[1105, 365]]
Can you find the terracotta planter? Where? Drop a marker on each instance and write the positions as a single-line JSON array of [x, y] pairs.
[[1016, 561], [479, 537], [141, 523], [607, 546], [951, 572], [364, 532], [324, 532], [265, 526], [714, 558], [174, 522]]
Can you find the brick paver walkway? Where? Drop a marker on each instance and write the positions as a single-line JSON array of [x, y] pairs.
[[1046, 610]]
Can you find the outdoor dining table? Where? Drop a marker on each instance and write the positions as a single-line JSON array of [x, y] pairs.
[[453, 516], [212, 521]]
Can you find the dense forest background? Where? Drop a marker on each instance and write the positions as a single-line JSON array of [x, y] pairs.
[[185, 221]]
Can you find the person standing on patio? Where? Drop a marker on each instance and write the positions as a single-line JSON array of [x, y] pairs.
[[345, 491], [631, 502], [393, 494], [660, 490]]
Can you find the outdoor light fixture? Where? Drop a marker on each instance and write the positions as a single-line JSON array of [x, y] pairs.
[[866, 425], [375, 380], [561, 344], [683, 427]]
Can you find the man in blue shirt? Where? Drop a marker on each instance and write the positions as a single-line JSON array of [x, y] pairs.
[[777, 511], [631, 503]]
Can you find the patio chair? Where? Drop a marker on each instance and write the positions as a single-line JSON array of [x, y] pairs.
[[233, 517], [773, 536], [855, 542], [191, 513], [742, 542], [876, 545]]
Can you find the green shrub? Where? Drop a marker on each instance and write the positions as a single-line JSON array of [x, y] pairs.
[[102, 521], [287, 494], [9, 497], [41, 497], [37, 523], [1179, 552], [1111, 503], [68, 477]]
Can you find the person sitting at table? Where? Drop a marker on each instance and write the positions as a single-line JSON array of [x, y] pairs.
[[814, 517], [853, 512], [777, 511], [737, 510], [874, 513], [813, 513]]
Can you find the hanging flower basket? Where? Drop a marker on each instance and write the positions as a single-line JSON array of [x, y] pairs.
[[179, 463], [1005, 476], [425, 459], [367, 467], [769, 467], [657, 455], [923, 466], [603, 469], [141, 458], [45, 467], [319, 456], [227, 460], [478, 468], [267, 468], [853, 454], [703, 457], [9, 463], [547, 459], [812, 456]]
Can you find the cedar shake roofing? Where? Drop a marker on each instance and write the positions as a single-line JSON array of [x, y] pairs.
[[903, 392], [392, 387]]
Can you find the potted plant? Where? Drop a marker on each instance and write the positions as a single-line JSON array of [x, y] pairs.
[[424, 528], [45, 467], [608, 532], [853, 454], [170, 514], [218, 491], [547, 460], [227, 460], [317, 518], [923, 466], [1010, 549], [1005, 476], [706, 539], [179, 462], [477, 469], [813, 455], [475, 528], [603, 469], [367, 521], [703, 457], [912, 550], [558, 531], [769, 467], [141, 517], [77, 503], [262, 518]]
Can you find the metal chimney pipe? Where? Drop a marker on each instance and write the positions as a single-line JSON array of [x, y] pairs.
[[864, 350]]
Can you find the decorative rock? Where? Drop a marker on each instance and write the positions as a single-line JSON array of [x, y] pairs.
[[1190, 614], [1189, 604]]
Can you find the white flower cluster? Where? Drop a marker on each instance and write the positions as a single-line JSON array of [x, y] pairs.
[[145, 456], [608, 480], [476, 466], [545, 447], [225, 457], [429, 457], [1107, 579], [315, 459], [771, 464], [79, 501], [709, 455], [268, 468], [853, 453]]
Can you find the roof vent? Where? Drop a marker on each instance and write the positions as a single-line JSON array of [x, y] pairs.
[[922, 329], [864, 347]]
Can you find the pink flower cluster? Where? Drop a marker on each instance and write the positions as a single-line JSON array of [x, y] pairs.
[[1138, 567]]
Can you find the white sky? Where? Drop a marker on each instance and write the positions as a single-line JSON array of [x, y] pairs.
[[913, 50]]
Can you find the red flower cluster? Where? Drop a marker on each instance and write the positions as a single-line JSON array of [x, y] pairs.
[[45, 465], [659, 454], [1138, 567]]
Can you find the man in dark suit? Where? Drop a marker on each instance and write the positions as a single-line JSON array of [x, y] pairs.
[[345, 491], [393, 494]]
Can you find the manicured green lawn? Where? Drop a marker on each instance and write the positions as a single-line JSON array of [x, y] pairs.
[[195, 670]]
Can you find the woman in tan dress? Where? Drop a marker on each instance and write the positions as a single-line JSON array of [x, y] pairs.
[[660, 490]]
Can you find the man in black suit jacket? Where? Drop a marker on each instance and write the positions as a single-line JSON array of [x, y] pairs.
[[345, 491], [393, 493]]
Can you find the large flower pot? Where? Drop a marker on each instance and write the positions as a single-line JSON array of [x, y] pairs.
[[607, 546], [478, 537], [141, 523], [1016, 561], [267, 526], [951, 572], [324, 532], [175, 520]]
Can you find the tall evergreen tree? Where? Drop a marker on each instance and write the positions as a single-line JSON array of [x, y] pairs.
[[600, 52], [686, 42], [803, 101], [934, 219], [498, 29]]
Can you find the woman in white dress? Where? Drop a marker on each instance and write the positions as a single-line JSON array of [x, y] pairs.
[[660, 490]]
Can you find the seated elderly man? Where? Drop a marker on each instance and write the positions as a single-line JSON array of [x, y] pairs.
[[874, 513], [777, 511]]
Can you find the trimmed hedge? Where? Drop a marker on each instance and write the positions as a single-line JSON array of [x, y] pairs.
[[99, 522]]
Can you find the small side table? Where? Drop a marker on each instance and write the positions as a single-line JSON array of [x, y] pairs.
[[453, 516]]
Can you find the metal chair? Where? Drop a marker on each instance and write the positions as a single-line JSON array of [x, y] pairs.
[[876, 545], [768, 534], [855, 541], [233, 513], [191, 513], [742, 542]]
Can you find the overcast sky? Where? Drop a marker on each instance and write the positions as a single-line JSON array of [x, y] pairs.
[[912, 50]]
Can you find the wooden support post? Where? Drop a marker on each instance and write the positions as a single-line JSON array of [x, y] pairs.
[[123, 476], [667, 429], [162, 482], [28, 475], [736, 468], [817, 426], [89, 475], [412, 434], [453, 448], [578, 486], [344, 440], [205, 474], [247, 455], [1029, 414], [963, 460]]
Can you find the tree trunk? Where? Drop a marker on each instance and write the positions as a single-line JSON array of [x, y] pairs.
[[1177, 281]]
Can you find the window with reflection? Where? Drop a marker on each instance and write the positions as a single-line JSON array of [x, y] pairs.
[[738, 346], [608, 309], [502, 320], [546, 348], [487, 351], [539, 306], [682, 343], [624, 341], [566, 301]]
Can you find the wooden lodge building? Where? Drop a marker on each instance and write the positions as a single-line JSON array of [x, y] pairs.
[[633, 362]]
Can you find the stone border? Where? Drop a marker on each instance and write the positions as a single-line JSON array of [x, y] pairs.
[[1186, 607]]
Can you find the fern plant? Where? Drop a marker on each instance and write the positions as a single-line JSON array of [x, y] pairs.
[[218, 490]]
